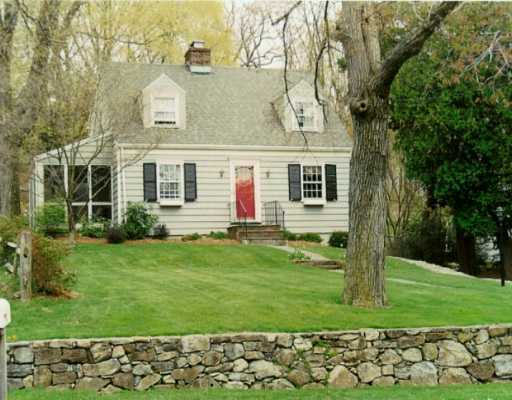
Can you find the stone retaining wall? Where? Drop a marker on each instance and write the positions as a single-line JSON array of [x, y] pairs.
[[254, 360]]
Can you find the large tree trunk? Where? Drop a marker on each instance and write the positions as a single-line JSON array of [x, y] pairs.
[[369, 81], [364, 280], [8, 21], [466, 251]]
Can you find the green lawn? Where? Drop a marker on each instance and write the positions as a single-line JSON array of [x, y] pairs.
[[168, 288], [469, 392]]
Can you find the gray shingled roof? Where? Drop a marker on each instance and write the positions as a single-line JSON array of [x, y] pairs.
[[229, 106]]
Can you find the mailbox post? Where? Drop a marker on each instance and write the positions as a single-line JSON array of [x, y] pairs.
[[5, 319]]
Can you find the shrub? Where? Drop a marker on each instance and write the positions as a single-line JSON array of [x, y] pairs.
[[51, 218], [428, 238], [192, 237], [97, 228], [160, 231], [287, 235], [220, 235], [298, 255], [338, 239], [49, 276], [310, 237], [139, 221], [10, 228], [116, 234]]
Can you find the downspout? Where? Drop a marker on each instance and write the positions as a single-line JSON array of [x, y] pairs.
[[124, 182], [119, 192]]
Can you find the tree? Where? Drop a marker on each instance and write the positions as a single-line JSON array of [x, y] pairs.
[[453, 126], [370, 76], [77, 142], [19, 112]]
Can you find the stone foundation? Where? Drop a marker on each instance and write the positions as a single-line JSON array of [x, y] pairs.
[[253, 360]]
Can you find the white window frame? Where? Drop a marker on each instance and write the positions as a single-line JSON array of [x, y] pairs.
[[171, 202], [91, 203], [294, 115], [176, 99], [313, 201]]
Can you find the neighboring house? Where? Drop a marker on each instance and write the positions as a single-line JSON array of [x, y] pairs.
[[207, 147]]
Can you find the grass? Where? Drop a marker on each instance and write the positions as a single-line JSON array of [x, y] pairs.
[[167, 289], [469, 392]]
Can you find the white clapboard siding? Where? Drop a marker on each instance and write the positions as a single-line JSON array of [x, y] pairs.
[[211, 209]]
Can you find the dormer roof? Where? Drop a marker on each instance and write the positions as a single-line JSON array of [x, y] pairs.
[[229, 106]]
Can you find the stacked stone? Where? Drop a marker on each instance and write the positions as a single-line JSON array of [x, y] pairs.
[[268, 361]]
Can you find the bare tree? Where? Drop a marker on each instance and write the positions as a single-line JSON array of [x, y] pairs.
[[82, 145], [257, 40], [19, 112]]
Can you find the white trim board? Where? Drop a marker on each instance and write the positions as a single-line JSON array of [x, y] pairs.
[[235, 147]]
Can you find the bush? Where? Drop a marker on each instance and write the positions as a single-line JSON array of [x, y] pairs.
[[51, 219], [220, 235], [116, 234], [298, 255], [160, 231], [139, 221], [10, 229], [49, 275], [428, 238], [287, 235], [338, 239], [97, 228], [310, 237], [192, 237]]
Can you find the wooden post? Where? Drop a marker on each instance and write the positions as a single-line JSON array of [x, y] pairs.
[[3, 364], [25, 267], [5, 319]]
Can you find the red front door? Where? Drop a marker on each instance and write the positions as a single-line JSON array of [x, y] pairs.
[[245, 204]]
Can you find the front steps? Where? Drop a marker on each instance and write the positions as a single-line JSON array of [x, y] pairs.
[[257, 234]]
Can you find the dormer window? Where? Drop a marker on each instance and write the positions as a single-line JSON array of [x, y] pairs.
[[164, 111], [305, 115], [164, 104]]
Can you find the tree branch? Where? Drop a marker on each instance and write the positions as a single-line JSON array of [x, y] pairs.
[[411, 46]]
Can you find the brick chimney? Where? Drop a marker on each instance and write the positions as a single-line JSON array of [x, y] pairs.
[[198, 58]]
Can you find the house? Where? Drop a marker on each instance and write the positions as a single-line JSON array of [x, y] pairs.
[[206, 147]]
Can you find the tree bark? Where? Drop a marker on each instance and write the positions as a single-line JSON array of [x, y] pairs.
[[466, 251], [369, 81], [8, 23]]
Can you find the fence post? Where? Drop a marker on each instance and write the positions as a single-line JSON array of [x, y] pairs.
[[25, 267], [5, 319]]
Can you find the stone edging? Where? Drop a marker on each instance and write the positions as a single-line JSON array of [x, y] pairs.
[[426, 356]]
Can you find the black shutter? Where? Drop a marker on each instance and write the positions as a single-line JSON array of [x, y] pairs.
[[190, 182], [149, 176], [294, 182], [331, 184]]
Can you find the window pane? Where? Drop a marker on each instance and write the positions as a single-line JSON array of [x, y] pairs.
[[100, 177], [170, 181], [312, 182], [78, 184], [53, 182], [164, 111], [102, 212], [305, 114]]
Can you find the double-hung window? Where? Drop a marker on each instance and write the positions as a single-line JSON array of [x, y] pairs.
[[313, 184], [305, 115], [164, 111], [170, 184]]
